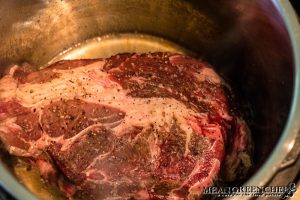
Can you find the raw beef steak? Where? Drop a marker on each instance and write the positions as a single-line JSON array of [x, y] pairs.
[[133, 126]]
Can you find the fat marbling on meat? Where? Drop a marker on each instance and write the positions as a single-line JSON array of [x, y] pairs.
[[141, 126]]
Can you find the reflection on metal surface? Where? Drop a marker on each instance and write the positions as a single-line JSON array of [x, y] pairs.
[[109, 45], [291, 145], [294, 152], [56, 25]]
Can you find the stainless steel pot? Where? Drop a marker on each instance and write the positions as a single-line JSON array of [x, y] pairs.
[[254, 45]]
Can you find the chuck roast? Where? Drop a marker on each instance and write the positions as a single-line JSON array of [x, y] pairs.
[[133, 126]]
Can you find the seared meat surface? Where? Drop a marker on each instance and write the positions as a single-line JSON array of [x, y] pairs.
[[140, 126]]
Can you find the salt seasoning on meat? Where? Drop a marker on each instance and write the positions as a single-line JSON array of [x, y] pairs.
[[143, 126]]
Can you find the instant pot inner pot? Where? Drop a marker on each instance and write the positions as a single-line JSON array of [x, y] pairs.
[[244, 40]]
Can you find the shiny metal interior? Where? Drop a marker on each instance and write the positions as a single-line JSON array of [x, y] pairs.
[[250, 43], [109, 45]]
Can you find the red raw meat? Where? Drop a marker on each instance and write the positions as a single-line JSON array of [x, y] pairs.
[[140, 126]]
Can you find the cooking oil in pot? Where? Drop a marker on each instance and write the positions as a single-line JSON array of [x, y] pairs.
[[109, 45]]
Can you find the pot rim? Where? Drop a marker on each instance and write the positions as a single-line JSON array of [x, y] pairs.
[[283, 147]]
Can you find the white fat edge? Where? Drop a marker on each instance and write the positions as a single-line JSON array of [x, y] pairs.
[[204, 73], [17, 151], [72, 84], [208, 74], [13, 69], [8, 87]]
